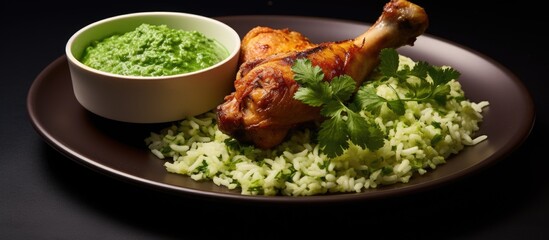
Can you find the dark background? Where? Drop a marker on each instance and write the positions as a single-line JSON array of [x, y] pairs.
[[44, 195]]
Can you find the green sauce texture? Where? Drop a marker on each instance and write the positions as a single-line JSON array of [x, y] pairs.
[[154, 50]]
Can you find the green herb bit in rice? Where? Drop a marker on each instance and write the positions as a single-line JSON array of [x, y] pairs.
[[414, 139]]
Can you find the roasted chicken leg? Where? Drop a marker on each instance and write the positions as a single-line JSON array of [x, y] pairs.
[[262, 109]]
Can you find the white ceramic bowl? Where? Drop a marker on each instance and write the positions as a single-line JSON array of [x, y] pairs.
[[152, 99]]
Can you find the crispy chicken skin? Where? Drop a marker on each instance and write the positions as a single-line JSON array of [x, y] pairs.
[[262, 109], [261, 42]]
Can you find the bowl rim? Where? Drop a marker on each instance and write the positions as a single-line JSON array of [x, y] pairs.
[[74, 60]]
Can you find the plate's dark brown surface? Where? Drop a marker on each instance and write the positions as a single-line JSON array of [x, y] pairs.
[[118, 149]]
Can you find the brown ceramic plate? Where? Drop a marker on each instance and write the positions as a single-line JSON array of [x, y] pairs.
[[118, 150]]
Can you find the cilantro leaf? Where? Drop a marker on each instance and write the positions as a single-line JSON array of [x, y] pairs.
[[304, 73], [314, 94], [367, 98], [343, 87], [397, 106], [332, 108], [388, 65], [440, 94], [423, 89], [332, 136], [375, 137], [443, 75], [358, 130], [420, 69]]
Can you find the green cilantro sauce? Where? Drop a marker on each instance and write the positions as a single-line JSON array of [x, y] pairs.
[[154, 50]]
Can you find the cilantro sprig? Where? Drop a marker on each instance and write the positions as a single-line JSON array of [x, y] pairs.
[[421, 90], [344, 123]]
